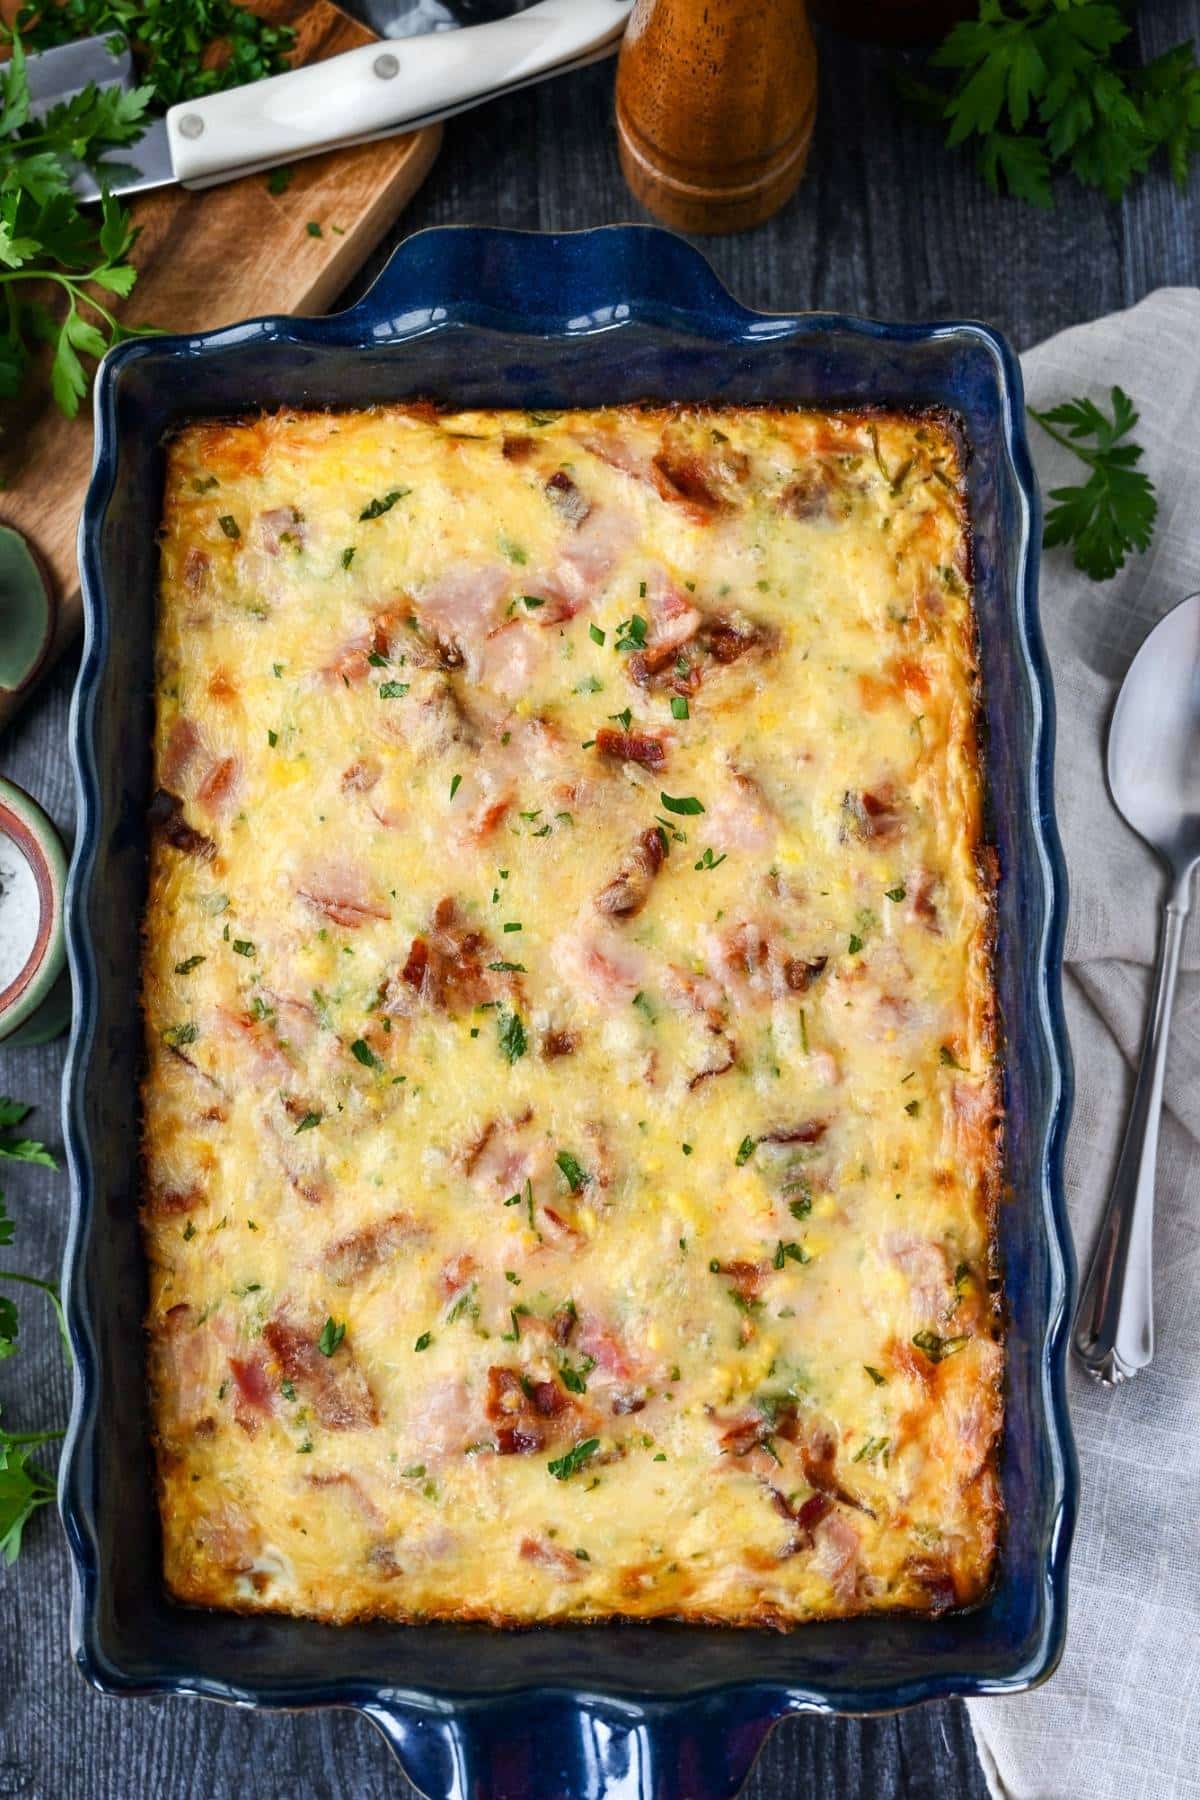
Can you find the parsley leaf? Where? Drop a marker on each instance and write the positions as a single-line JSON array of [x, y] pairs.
[[563, 1467], [375, 509], [1035, 87], [572, 1171], [936, 1348], [331, 1336], [513, 1041], [1112, 513]]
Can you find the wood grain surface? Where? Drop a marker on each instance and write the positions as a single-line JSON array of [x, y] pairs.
[[887, 224], [208, 259]]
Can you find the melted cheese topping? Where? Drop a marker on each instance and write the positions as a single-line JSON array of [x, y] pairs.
[[571, 1112]]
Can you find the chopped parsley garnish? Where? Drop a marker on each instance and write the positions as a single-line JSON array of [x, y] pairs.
[[331, 1336], [896, 894], [801, 1206], [913, 1108], [288, 1389], [455, 784], [532, 602], [272, 738], [513, 925], [229, 525], [709, 861], [686, 1148], [631, 634], [855, 944], [396, 690], [575, 1380], [362, 1052], [307, 1122], [679, 707], [563, 1467], [513, 1041], [375, 509], [745, 1151], [790, 1252], [684, 803], [178, 1035], [623, 719], [507, 968], [513, 552], [596, 634], [644, 1007], [936, 1348], [377, 659], [347, 556], [948, 1059], [243, 947], [572, 1171], [424, 1341], [313, 228], [872, 1448], [188, 964], [876, 1377]]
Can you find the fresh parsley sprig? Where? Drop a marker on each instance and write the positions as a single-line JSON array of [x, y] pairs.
[[1112, 513], [24, 1484], [184, 48], [1035, 88], [46, 237]]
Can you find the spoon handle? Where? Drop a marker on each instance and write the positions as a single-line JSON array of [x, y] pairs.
[[1114, 1327]]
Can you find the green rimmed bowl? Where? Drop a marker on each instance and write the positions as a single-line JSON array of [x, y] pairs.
[[35, 993]]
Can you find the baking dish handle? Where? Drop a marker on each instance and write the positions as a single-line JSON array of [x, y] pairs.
[[553, 1749], [567, 284]]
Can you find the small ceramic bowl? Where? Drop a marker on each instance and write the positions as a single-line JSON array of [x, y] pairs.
[[34, 986]]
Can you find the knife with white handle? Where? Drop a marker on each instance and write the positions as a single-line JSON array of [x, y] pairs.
[[373, 92]]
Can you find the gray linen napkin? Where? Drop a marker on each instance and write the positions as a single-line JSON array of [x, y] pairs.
[[1120, 1720]]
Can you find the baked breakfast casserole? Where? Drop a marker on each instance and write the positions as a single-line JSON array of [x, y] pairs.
[[572, 1107]]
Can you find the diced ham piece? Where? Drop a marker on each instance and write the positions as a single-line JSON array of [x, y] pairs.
[[180, 752], [333, 1386], [254, 1394], [341, 1481], [510, 658], [180, 1362], [340, 893], [218, 788], [740, 816], [836, 1547], [280, 528], [462, 607], [920, 888], [925, 1268], [552, 1557], [523, 1412], [598, 966]]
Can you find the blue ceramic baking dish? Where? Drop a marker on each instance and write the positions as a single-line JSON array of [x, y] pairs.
[[498, 318]]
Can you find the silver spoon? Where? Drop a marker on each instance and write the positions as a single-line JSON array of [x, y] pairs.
[[1154, 778]]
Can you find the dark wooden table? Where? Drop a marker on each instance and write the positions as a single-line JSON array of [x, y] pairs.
[[886, 224]]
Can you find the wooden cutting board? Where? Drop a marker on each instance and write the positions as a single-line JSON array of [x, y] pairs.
[[204, 260]]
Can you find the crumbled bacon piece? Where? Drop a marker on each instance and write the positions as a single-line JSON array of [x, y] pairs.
[[447, 968], [632, 746], [935, 1576], [807, 1131], [170, 1203], [727, 637], [516, 448], [524, 1412], [165, 815], [872, 817], [347, 1258], [566, 499], [800, 972], [629, 890], [559, 1043], [334, 1386]]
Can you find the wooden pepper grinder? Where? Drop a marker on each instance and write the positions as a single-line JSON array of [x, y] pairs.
[[715, 107]]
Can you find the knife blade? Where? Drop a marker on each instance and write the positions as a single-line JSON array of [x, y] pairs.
[[373, 92]]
